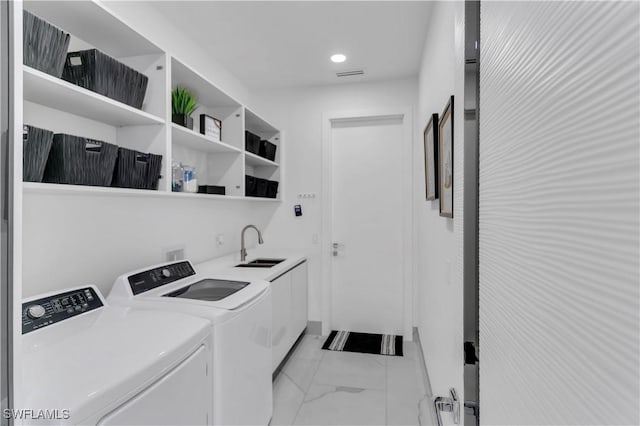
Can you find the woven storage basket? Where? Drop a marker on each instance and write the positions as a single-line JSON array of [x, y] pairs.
[[44, 46], [136, 170], [267, 150], [272, 189], [262, 187], [36, 146], [80, 161], [250, 186], [100, 73]]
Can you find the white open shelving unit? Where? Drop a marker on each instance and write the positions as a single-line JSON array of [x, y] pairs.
[[57, 105]]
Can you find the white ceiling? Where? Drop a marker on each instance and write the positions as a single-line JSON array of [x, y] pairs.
[[270, 44]]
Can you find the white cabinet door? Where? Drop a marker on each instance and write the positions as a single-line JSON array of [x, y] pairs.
[[299, 308], [281, 319]]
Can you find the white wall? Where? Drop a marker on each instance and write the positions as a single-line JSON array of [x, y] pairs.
[[438, 271], [560, 213], [72, 240], [78, 240], [299, 112]]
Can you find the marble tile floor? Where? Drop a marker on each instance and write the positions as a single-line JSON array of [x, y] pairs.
[[318, 387]]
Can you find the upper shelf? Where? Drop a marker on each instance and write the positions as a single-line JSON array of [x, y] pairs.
[[47, 90], [191, 139], [207, 93], [82, 190], [256, 124], [93, 23], [256, 160]]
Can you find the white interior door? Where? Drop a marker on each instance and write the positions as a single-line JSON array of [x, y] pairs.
[[367, 225]]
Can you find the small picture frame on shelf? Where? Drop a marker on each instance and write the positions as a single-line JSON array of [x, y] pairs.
[[430, 140], [445, 160], [211, 127]]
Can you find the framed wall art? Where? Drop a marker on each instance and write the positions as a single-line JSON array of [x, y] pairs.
[[430, 140], [445, 160], [210, 126]]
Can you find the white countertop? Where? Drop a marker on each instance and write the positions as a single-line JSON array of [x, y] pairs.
[[224, 267]]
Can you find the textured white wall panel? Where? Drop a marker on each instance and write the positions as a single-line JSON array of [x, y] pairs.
[[559, 213]]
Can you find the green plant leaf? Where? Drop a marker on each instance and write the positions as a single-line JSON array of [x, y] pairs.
[[182, 101]]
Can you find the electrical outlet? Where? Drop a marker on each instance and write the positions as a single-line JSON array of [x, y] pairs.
[[307, 195], [220, 239], [173, 255]]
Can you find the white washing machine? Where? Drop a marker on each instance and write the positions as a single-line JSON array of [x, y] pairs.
[[240, 314], [88, 363]]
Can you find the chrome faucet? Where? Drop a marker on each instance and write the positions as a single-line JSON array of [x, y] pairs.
[[243, 250]]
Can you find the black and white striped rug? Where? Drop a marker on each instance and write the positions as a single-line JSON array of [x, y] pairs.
[[380, 344]]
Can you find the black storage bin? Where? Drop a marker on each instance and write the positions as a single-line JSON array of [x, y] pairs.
[[36, 146], [100, 73], [212, 189], [262, 185], [267, 150], [251, 142], [272, 189], [136, 169], [44, 46], [250, 186], [80, 161]]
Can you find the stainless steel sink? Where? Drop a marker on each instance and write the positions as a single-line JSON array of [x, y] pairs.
[[260, 263]]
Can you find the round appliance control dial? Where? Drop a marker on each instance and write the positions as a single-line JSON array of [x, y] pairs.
[[35, 311], [166, 273]]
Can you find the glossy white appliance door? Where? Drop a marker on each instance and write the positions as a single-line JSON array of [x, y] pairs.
[[367, 289], [181, 397], [242, 359]]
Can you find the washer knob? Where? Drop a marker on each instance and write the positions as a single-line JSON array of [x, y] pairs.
[[35, 311], [166, 273]]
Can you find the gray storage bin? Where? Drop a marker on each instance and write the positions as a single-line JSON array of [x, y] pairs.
[[80, 161], [102, 74], [272, 189], [44, 46], [136, 169], [262, 186], [35, 152]]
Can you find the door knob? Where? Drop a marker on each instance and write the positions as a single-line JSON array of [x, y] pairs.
[[336, 248]]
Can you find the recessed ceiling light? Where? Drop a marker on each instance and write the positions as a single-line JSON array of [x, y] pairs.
[[338, 57]]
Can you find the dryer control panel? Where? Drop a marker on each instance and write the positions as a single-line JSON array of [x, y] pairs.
[[154, 278], [58, 307]]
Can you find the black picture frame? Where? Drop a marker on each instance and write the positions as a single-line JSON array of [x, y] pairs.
[[430, 142], [206, 122], [445, 160]]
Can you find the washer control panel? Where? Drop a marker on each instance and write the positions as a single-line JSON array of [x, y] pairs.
[[154, 278], [59, 307]]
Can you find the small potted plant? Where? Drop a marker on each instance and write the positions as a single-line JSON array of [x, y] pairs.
[[183, 103]]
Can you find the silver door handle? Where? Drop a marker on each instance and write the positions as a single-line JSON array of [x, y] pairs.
[[336, 248]]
